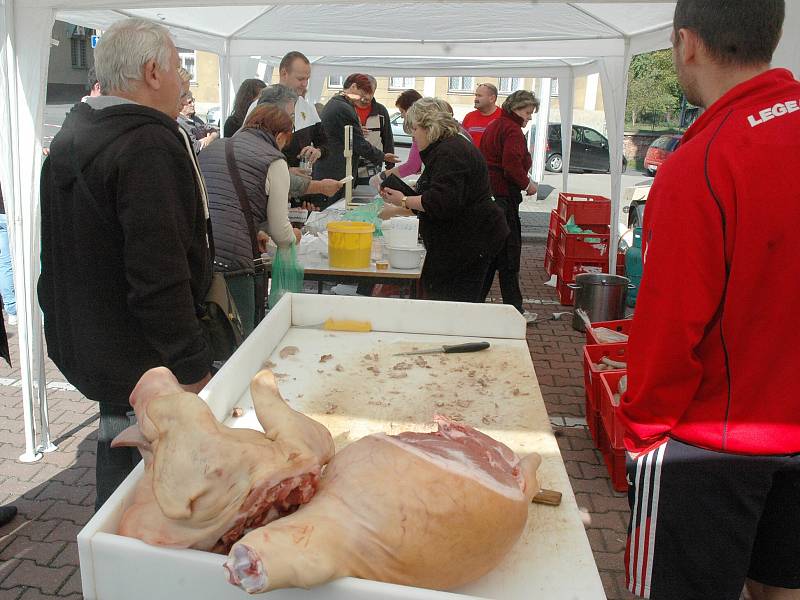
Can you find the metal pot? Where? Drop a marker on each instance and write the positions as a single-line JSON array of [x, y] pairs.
[[601, 295]]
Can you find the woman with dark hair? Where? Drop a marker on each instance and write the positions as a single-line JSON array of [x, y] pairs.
[[258, 157], [248, 92], [339, 112], [506, 153], [414, 163]]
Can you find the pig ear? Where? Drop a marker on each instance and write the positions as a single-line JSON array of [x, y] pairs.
[[132, 436], [183, 456]]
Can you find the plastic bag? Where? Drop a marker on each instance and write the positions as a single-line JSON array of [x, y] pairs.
[[287, 274], [368, 213]]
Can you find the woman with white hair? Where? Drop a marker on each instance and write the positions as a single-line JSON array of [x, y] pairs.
[[461, 226]]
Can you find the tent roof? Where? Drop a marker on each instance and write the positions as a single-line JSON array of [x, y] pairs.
[[436, 35]]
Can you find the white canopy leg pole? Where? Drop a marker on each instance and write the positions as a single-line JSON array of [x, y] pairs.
[[9, 133], [614, 77], [787, 54], [315, 84], [542, 123], [429, 87], [227, 91], [566, 99], [28, 36]]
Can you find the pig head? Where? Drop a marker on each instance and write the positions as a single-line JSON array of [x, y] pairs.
[[205, 485]]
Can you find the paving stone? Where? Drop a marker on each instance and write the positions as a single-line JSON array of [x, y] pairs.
[[28, 573], [67, 556], [25, 548], [61, 509], [73, 584]]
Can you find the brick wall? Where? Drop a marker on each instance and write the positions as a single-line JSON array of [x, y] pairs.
[[636, 145]]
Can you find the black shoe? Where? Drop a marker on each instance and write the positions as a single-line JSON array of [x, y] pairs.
[[7, 514]]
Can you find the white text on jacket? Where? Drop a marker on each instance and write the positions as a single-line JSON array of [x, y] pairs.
[[779, 110]]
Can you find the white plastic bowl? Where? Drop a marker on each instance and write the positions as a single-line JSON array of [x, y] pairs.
[[405, 258]]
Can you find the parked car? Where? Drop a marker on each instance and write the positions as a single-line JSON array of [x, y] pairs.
[[589, 150], [659, 151], [213, 116], [401, 138]]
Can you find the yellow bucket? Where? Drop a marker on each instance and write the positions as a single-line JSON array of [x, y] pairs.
[[349, 244]]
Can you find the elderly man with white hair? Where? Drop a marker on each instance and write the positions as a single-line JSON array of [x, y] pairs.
[[126, 257]]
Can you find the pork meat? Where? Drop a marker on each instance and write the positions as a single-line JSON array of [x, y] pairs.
[[205, 485], [434, 510]]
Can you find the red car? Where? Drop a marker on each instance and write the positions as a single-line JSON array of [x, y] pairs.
[[659, 151]]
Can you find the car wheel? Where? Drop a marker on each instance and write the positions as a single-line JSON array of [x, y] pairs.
[[554, 163]]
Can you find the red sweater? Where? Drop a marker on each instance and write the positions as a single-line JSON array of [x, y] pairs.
[[476, 123], [506, 153], [713, 352]]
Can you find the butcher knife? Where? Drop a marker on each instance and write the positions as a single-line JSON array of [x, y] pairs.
[[457, 349]]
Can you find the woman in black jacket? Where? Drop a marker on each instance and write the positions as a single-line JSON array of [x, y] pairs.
[[339, 112], [461, 226], [247, 94]]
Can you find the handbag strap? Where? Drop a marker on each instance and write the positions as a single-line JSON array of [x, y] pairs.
[[244, 201]]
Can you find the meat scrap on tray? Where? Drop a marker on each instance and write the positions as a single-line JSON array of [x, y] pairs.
[[434, 510]]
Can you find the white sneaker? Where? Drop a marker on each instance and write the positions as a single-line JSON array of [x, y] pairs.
[[12, 319], [530, 317]]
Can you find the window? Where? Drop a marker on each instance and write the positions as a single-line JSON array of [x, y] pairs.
[[78, 51], [189, 62], [554, 87], [402, 83], [461, 84], [591, 137], [510, 84], [336, 81]]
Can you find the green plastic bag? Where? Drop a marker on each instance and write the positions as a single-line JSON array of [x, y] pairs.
[[369, 213], [287, 274]]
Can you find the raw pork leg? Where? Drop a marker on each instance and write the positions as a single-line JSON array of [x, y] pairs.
[[205, 485], [434, 510]]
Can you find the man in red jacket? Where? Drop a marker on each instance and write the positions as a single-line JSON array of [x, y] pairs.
[[711, 412]]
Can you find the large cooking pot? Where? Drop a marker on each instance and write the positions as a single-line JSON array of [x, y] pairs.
[[601, 295]]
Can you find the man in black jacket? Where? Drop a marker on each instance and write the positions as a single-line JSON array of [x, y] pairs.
[[126, 261]]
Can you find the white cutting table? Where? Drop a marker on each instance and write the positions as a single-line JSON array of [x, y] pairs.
[[356, 393]]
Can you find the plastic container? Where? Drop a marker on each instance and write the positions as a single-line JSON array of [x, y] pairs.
[[621, 326], [609, 385], [595, 423], [405, 258], [566, 295], [405, 232], [585, 209], [589, 246], [591, 375], [349, 244], [555, 223], [552, 243], [615, 463], [549, 263], [568, 269]]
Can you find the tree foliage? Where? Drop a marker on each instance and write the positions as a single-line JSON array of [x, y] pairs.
[[652, 85]]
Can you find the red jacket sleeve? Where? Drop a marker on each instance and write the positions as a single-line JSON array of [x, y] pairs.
[[680, 296], [514, 153]]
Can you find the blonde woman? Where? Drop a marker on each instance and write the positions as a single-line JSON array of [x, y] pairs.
[[461, 226]]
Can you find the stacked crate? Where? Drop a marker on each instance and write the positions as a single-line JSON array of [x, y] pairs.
[[601, 413], [570, 254]]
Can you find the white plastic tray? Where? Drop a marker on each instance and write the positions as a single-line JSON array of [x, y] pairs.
[[495, 391]]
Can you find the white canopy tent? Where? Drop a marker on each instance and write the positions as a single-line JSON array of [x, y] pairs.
[[544, 39]]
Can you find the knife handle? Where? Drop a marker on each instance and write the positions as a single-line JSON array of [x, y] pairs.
[[469, 347]]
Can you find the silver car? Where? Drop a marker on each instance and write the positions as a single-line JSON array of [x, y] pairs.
[[401, 138], [213, 116]]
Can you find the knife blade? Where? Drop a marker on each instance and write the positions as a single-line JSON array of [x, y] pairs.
[[456, 349]]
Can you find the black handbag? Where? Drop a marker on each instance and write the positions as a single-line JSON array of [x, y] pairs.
[[220, 320]]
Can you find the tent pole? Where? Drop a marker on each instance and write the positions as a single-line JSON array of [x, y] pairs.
[[539, 141], [566, 100]]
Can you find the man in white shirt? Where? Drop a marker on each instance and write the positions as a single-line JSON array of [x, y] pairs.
[[308, 141]]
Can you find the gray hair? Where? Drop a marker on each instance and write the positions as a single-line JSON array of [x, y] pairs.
[[521, 99], [433, 115], [277, 95], [125, 48]]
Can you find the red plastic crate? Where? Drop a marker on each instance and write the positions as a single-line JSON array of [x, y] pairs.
[[591, 375], [566, 295], [568, 268], [622, 326], [555, 223], [609, 383], [585, 209], [615, 463], [549, 263], [621, 263], [595, 423], [552, 244], [575, 245]]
